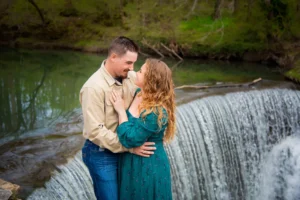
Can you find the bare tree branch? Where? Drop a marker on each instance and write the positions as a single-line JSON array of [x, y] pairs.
[[217, 12], [144, 42], [176, 64], [222, 34], [219, 86], [192, 9], [36, 90], [144, 54], [172, 51], [39, 11]]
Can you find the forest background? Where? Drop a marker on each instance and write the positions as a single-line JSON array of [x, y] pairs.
[[251, 30]]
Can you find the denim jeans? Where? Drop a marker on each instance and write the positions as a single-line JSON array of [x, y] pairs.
[[102, 165]]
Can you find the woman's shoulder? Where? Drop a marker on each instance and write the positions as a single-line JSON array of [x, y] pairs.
[[150, 120], [153, 115]]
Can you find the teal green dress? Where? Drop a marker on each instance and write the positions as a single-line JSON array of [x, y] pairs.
[[141, 178]]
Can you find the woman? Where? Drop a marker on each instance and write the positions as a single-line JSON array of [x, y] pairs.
[[150, 117]]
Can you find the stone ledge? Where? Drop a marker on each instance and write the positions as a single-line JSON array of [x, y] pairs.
[[8, 190]]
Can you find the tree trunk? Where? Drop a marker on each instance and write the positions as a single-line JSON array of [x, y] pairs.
[[31, 107], [249, 13], [4, 6], [19, 107], [1, 105], [193, 8], [6, 107], [12, 100], [38, 10], [217, 11], [235, 6]]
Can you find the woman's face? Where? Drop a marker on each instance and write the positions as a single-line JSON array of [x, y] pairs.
[[140, 76]]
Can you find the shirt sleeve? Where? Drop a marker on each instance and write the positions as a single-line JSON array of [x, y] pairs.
[[133, 134], [94, 121]]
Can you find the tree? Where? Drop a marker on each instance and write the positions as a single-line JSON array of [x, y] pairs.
[[249, 7], [217, 11], [193, 8], [235, 6], [38, 10]]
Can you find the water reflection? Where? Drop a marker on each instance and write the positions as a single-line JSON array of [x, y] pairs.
[[39, 88]]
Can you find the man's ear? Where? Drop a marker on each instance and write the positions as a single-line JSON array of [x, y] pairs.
[[113, 56]]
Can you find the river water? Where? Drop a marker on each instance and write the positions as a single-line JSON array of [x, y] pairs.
[[41, 119]]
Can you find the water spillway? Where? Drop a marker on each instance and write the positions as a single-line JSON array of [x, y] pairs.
[[240, 146]]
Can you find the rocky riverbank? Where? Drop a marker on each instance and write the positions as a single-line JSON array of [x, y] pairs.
[[8, 191]]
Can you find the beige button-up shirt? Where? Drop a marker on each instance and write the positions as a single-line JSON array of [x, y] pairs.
[[99, 115]]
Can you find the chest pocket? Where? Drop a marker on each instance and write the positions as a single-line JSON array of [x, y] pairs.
[[110, 113]]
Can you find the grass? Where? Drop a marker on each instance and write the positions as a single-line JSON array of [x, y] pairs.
[[204, 24], [294, 73], [225, 35]]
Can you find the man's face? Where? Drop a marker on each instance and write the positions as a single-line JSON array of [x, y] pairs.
[[124, 63]]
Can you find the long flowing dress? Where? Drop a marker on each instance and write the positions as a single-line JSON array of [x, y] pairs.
[[143, 178]]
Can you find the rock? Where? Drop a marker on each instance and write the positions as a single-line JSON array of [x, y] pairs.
[[9, 186], [252, 56], [7, 189], [5, 194]]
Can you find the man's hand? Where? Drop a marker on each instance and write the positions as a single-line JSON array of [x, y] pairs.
[[145, 150]]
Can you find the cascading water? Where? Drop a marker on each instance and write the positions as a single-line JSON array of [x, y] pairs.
[[69, 182], [281, 171], [240, 146], [223, 143]]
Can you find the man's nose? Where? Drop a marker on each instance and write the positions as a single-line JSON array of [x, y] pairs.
[[131, 68]]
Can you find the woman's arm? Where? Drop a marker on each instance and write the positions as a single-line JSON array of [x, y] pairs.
[[134, 134]]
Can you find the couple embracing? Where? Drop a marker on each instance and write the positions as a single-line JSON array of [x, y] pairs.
[[128, 116]]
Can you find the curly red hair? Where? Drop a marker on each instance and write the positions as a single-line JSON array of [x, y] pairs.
[[158, 93]]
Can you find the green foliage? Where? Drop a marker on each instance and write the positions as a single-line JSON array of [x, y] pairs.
[[294, 17], [254, 25], [151, 20], [204, 24], [294, 73]]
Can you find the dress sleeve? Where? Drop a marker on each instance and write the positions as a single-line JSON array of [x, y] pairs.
[[135, 133]]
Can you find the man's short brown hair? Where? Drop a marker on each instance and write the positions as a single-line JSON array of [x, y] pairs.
[[121, 45]]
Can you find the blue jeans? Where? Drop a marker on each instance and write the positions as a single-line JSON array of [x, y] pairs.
[[103, 167]]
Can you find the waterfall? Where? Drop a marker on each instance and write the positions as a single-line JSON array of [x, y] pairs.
[[281, 171], [69, 182], [223, 144], [240, 146]]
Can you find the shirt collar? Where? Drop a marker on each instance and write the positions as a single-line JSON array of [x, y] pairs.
[[109, 79]]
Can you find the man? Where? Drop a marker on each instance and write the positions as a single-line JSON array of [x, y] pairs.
[[100, 119]]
